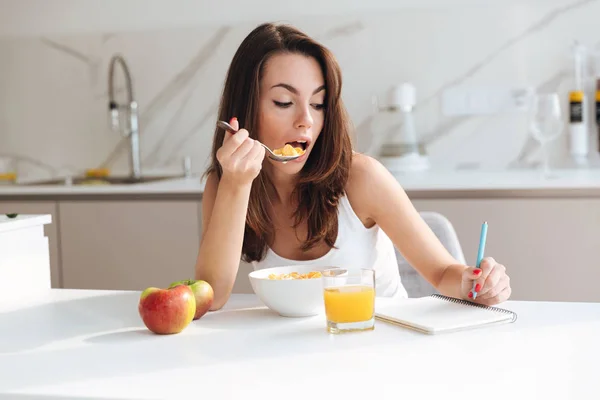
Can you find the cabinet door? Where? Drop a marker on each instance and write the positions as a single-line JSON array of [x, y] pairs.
[[128, 245], [51, 230], [549, 246]]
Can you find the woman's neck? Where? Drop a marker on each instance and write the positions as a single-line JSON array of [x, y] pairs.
[[283, 185]]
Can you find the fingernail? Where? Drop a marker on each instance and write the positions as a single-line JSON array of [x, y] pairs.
[[476, 271], [232, 120], [471, 294], [478, 287]]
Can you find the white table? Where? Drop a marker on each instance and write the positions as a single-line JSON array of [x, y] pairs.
[[81, 344]]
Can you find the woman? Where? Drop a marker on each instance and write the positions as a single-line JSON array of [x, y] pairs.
[[331, 206]]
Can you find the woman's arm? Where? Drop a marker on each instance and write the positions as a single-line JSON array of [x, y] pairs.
[[224, 209], [378, 198]]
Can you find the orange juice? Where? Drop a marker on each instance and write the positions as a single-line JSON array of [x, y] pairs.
[[352, 303]]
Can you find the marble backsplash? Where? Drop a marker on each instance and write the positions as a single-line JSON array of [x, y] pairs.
[[53, 89]]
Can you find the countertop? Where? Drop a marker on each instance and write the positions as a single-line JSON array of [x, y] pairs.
[[434, 183], [192, 187], [83, 343]]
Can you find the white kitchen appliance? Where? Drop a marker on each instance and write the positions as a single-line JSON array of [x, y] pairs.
[[401, 150]]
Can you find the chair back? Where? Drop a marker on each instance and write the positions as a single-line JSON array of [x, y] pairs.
[[415, 284]]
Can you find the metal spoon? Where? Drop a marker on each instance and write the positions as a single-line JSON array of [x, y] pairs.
[[284, 159]]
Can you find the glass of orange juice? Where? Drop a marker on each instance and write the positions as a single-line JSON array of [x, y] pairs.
[[349, 297]]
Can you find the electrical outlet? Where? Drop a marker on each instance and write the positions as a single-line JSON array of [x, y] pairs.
[[485, 100]]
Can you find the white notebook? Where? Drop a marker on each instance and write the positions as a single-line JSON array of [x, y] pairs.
[[438, 313]]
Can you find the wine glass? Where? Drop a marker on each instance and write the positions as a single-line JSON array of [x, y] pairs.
[[546, 123]]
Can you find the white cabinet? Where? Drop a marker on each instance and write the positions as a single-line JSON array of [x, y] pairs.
[[128, 244], [33, 207], [24, 256]]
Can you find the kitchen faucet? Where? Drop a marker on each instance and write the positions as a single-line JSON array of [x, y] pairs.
[[131, 129]]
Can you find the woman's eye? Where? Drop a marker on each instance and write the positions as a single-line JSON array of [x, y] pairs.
[[282, 105], [319, 106]]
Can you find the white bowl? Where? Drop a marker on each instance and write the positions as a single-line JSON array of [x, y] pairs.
[[290, 297]]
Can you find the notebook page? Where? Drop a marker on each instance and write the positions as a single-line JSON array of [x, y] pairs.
[[433, 314]]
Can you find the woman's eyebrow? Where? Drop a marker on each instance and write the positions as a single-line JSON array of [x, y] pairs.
[[294, 90]]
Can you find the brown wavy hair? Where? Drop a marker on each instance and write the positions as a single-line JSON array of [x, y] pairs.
[[323, 179]]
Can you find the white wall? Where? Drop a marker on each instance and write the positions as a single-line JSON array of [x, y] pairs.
[[35, 17], [53, 72]]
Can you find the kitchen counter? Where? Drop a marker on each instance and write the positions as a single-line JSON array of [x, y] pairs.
[[501, 183], [84, 343], [428, 184], [176, 187]]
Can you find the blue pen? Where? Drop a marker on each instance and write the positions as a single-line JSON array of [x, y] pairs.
[[480, 252]]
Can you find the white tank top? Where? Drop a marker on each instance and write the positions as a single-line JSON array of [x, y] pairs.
[[357, 247]]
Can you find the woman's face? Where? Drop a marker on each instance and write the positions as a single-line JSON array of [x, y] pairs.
[[291, 111]]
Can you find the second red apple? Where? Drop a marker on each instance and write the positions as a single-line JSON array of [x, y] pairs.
[[203, 293]]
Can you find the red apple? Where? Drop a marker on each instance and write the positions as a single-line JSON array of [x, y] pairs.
[[167, 311], [203, 293]]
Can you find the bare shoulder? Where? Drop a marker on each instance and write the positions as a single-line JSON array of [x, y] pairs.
[[368, 174], [364, 168], [368, 181]]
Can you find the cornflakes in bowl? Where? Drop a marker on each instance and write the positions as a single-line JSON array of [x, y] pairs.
[[290, 291], [296, 275]]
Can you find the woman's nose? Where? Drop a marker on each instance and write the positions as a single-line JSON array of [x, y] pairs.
[[304, 119]]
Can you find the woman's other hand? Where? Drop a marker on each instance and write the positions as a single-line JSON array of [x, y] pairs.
[[492, 284]]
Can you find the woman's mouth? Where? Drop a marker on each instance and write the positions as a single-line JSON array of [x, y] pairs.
[[298, 144], [293, 148]]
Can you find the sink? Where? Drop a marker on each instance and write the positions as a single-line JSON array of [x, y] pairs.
[[107, 180]]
